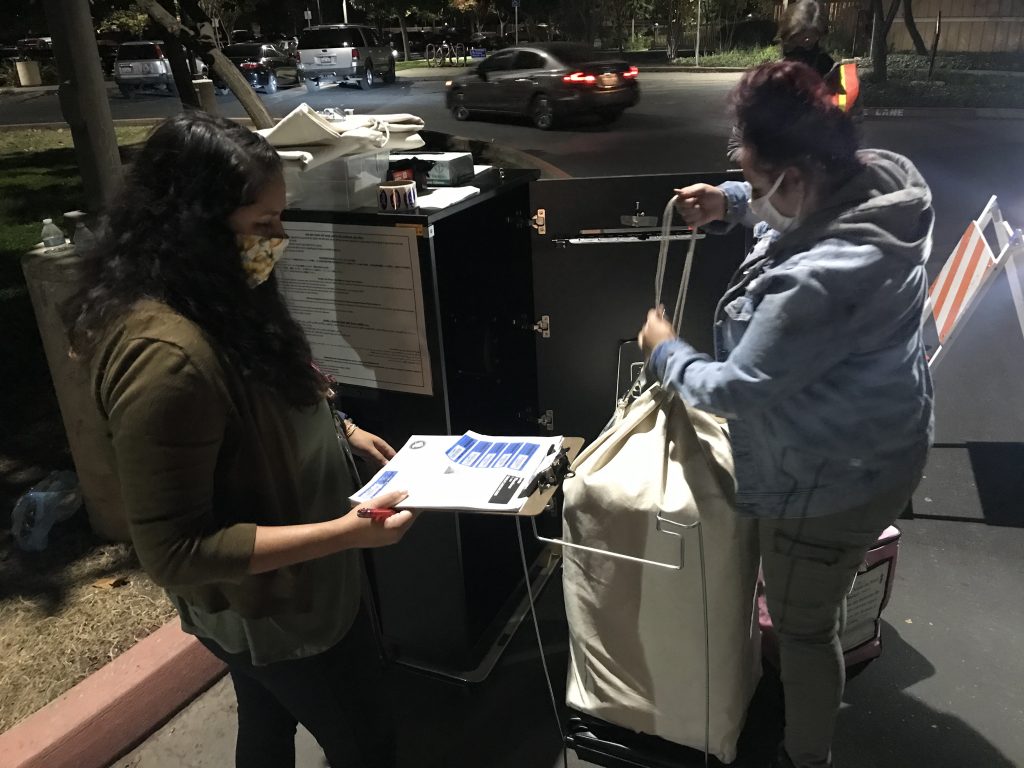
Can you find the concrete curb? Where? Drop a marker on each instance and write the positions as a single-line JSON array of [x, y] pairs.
[[115, 708], [694, 70]]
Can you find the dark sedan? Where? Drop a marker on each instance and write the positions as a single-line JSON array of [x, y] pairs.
[[264, 66], [545, 82]]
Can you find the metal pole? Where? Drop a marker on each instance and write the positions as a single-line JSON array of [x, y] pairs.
[[83, 98], [517, 24], [319, 15], [344, 9], [696, 49]]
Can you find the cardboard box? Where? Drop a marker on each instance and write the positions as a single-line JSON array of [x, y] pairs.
[[451, 169], [344, 184]]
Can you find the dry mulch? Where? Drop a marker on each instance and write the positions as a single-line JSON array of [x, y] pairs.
[[67, 611]]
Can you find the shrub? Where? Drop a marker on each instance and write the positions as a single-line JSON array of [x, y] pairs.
[[741, 57]]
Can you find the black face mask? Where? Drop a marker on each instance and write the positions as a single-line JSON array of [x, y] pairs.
[[798, 50], [807, 56]]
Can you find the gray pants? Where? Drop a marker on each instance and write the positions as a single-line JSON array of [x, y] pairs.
[[809, 565]]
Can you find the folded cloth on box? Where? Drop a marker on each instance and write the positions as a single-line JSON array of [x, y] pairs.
[[306, 139]]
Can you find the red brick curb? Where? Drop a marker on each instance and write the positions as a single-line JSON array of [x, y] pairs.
[[115, 708]]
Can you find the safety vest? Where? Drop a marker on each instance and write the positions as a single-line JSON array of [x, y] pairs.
[[849, 86]]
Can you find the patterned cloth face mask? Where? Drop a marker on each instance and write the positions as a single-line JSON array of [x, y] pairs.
[[259, 255]]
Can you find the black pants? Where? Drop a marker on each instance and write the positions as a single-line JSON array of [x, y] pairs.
[[337, 695]]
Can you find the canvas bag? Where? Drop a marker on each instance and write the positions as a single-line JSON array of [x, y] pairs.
[[637, 632]]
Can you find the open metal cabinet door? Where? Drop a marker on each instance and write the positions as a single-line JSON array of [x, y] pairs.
[[594, 258]]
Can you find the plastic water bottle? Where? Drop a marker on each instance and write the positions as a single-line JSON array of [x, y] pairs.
[[53, 237], [51, 501], [82, 238]]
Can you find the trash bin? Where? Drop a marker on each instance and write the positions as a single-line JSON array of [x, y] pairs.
[[52, 276], [28, 73]]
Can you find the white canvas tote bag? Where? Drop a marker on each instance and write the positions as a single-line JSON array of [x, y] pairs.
[[663, 651]]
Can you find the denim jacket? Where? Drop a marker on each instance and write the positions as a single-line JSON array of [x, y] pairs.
[[819, 361]]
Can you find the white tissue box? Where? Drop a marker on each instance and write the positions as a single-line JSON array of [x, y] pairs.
[[344, 184]]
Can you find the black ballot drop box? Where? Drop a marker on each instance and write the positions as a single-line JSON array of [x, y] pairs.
[[514, 311]]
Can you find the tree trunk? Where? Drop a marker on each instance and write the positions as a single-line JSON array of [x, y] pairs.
[[879, 50], [908, 18], [216, 60], [181, 71], [83, 99], [405, 35]]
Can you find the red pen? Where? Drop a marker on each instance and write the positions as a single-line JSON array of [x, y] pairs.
[[376, 513]]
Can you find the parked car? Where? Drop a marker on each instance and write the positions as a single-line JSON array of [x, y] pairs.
[[546, 82], [344, 53], [262, 65], [141, 64]]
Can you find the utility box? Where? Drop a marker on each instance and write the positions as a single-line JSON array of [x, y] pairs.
[[511, 312]]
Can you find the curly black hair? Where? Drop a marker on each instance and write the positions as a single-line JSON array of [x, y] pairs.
[[167, 237]]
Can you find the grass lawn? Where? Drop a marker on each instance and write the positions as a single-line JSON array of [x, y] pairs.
[[55, 626], [38, 179], [422, 64]]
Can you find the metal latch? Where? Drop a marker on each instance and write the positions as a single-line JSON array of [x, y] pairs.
[[543, 326], [540, 221], [547, 420], [638, 219]]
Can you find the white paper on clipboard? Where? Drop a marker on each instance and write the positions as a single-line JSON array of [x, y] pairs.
[[472, 472], [357, 293]]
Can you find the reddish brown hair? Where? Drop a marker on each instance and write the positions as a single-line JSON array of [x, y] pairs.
[[784, 112]]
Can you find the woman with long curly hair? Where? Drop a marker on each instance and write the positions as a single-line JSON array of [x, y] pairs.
[[819, 365], [234, 479]]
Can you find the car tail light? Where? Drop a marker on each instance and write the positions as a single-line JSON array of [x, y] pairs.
[[631, 73], [581, 78], [355, 54], [159, 53], [249, 65]]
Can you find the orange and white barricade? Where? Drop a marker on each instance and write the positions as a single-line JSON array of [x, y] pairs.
[[969, 272]]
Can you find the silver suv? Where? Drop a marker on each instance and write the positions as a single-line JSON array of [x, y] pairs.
[[343, 53], [142, 63]]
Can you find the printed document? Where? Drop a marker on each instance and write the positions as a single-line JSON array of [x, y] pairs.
[[473, 472]]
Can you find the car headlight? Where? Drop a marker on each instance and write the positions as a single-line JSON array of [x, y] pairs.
[[447, 83]]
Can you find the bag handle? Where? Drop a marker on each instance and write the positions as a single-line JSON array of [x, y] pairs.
[[640, 383], [659, 277]]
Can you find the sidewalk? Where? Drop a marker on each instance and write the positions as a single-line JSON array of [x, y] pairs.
[[41, 89]]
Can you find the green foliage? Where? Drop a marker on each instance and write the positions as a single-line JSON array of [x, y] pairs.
[[741, 57], [131, 20], [953, 90], [1012, 62], [8, 74], [637, 43]]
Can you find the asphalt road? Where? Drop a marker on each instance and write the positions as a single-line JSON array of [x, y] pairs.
[[946, 694], [681, 124]]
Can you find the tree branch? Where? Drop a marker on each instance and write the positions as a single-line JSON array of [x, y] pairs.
[[217, 61]]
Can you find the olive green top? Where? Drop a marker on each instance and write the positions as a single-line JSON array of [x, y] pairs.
[[203, 456], [325, 483]]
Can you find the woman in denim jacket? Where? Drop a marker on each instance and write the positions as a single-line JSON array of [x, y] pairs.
[[819, 364]]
